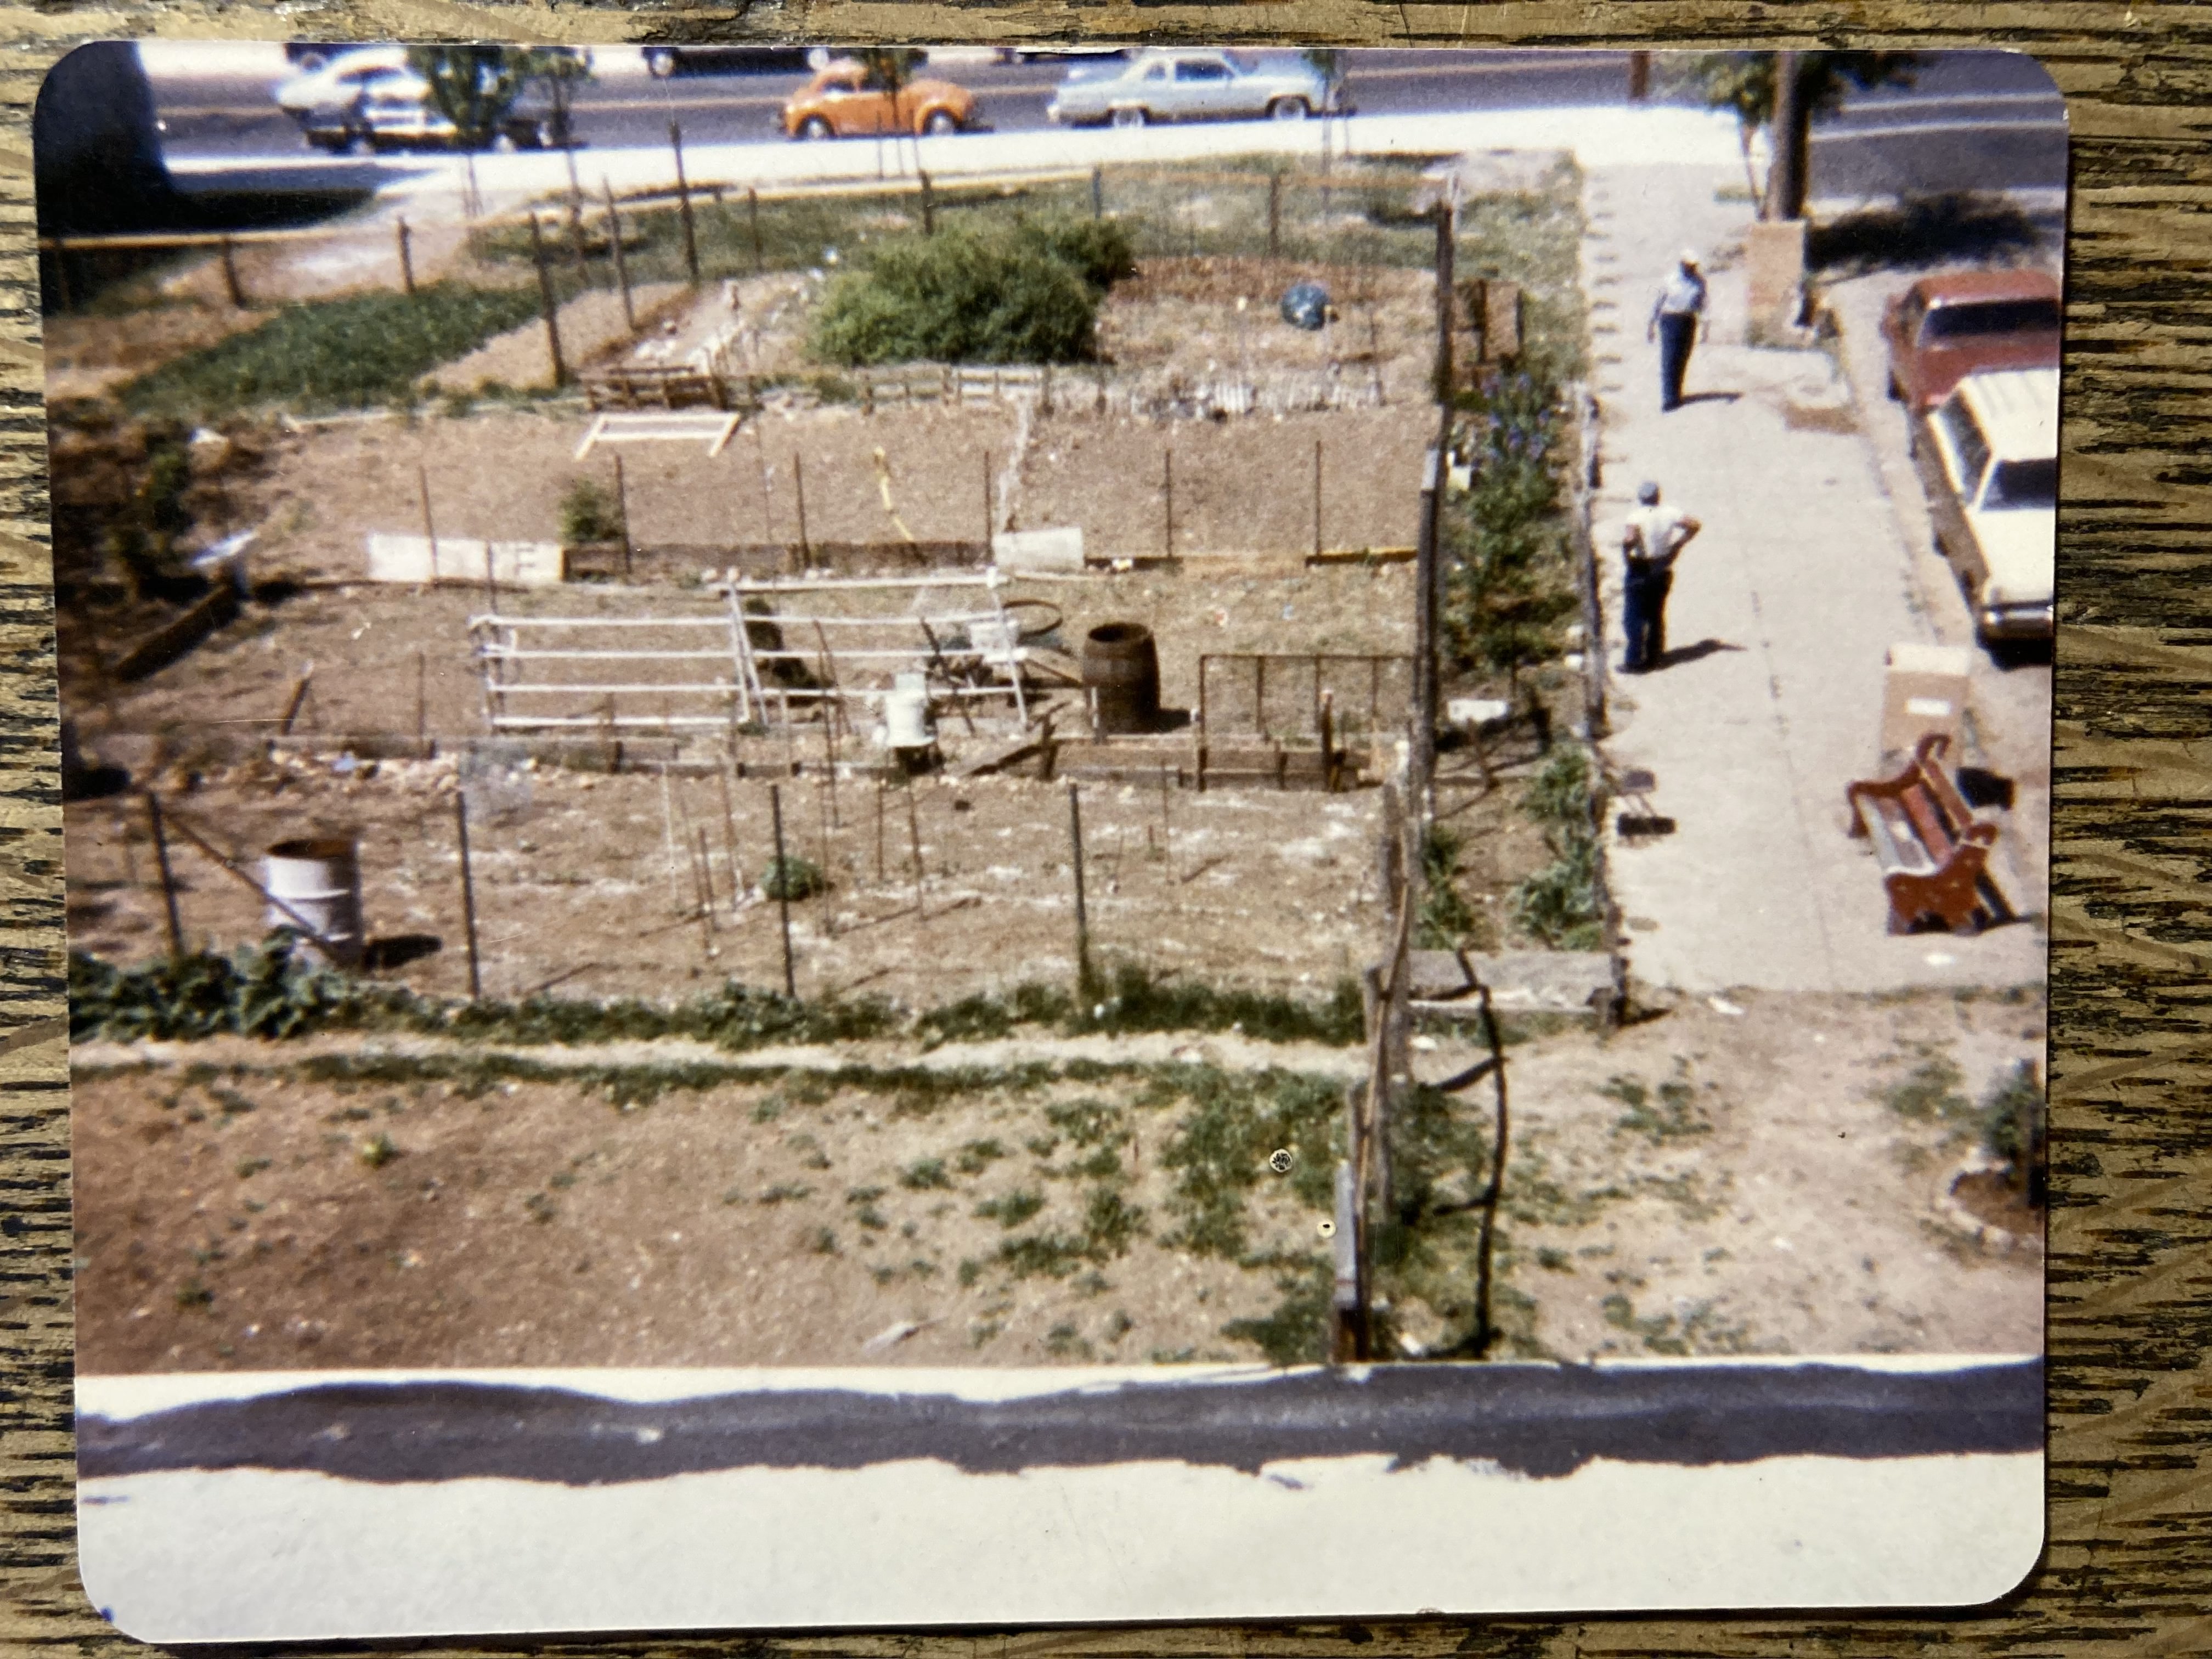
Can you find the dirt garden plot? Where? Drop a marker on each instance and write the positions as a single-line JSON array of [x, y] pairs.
[[1701, 1184]]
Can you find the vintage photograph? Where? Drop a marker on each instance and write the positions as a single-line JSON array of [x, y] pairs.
[[1216, 758]]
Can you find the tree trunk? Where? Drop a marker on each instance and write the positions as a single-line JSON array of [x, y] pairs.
[[1793, 118]]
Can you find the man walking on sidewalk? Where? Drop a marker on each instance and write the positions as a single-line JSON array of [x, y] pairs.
[[1677, 319], [1649, 542]]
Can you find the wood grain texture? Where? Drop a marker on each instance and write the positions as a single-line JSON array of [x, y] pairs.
[[2130, 1265]]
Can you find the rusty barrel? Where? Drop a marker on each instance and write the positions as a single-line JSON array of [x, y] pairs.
[[318, 881], [1121, 672]]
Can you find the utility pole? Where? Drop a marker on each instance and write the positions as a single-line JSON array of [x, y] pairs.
[[1785, 184]]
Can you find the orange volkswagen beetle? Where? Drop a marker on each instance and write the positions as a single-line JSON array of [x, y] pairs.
[[846, 100]]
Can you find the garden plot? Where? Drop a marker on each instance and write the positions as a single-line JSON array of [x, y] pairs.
[[1702, 1182]]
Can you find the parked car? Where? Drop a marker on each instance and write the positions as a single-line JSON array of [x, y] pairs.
[[665, 60], [1177, 85], [1045, 49], [1988, 456], [846, 100], [1951, 324]]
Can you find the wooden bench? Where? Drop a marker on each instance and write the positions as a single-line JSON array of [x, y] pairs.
[[1933, 852]]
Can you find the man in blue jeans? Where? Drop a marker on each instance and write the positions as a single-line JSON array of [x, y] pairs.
[[1650, 540], [1677, 320]]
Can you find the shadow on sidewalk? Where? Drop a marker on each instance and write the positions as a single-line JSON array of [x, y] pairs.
[[1689, 397], [1684, 654]]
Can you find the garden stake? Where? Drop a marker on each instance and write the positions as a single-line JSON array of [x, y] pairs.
[[752, 209], [799, 489], [468, 894], [168, 881], [1167, 459], [879, 832], [429, 529], [822, 819], [1081, 918], [913, 840], [782, 886], [422, 706], [406, 257], [621, 511], [1317, 498]]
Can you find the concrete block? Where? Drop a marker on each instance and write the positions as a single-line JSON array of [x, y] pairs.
[[1055, 550]]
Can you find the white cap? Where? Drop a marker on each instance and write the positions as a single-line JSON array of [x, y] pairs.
[[1689, 256]]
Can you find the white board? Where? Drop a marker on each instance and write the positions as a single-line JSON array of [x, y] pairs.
[[1039, 549], [459, 559]]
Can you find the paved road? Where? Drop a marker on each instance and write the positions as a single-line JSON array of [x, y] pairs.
[[1976, 120]]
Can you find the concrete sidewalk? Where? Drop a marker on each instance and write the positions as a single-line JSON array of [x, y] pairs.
[[1770, 699]]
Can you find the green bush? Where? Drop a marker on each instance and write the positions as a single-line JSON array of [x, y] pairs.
[[350, 353], [589, 513], [1560, 904], [977, 294], [793, 878]]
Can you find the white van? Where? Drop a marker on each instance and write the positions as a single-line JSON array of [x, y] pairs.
[[1988, 456]]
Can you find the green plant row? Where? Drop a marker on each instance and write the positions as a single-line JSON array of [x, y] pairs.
[[349, 353], [271, 991]]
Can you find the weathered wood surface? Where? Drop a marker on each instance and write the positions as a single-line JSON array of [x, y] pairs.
[[2131, 1492]]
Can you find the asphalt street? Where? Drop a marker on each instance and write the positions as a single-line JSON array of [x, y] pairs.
[[1972, 120]]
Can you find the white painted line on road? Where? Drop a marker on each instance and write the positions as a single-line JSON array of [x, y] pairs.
[[1836, 135]]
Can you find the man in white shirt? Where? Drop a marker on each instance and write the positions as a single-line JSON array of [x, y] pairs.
[[1677, 321], [1651, 538]]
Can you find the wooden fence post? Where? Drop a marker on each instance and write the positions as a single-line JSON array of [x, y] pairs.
[[1275, 216], [1097, 192], [622, 513], [1083, 978], [1167, 463], [782, 886], [913, 841], [1317, 443], [798, 490], [684, 204], [546, 303], [230, 283], [752, 212], [615, 251], [404, 237], [168, 879], [468, 893], [928, 207]]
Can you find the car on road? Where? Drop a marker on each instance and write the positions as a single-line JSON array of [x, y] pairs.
[[1988, 457], [1164, 84], [847, 100], [392, 109], [334, 81], [661, 62], [1037, 50], [1948, 325]]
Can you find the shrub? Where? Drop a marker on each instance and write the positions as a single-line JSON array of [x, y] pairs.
[[793, 878], [1560, 904], [589, 513], [1027, 293]]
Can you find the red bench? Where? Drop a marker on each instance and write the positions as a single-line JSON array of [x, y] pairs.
[[1933, 852]]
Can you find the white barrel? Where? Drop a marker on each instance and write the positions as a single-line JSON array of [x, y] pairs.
[[321, 881], [906, 712]]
